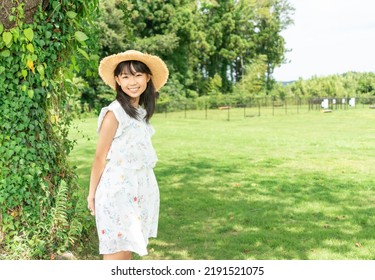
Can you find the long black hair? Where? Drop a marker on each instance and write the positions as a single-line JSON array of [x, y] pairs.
[[147, 98]]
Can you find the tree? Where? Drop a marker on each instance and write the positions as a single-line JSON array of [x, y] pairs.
[[39, 51], [218, 26], [114, 32], [252, 83], [273, 16], [237, 32], [366, 84]]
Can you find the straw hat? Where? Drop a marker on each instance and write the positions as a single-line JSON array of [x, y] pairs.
[[157, 66]]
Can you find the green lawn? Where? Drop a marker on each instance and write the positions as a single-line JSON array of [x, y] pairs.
[[289, 186]]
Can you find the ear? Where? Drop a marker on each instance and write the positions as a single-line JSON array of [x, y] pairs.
[[117, 80], [148, 77]]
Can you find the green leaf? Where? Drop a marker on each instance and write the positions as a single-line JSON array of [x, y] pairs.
[[16, 34], [29, 34], [30, 93], [1, 28], [5, 53], [48, 34], [30, 47], [7, 38], [40, 70], [24, 73], [94, 57], [80, 36], [71, 14], [81, 51]]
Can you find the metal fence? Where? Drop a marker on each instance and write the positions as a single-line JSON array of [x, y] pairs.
[[266, 106]]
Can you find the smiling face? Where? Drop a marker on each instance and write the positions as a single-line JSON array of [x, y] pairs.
[[132, 77]]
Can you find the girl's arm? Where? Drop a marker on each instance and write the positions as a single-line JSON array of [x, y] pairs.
[[106, 134]]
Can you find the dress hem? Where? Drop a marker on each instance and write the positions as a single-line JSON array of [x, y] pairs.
[[128, 248]]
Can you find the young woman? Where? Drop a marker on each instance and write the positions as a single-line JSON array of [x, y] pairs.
[[124, 194]]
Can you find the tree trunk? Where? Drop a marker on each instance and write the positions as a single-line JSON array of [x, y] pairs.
[[30, 8]]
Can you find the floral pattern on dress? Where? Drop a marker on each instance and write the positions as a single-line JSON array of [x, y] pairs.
[[127, 197]]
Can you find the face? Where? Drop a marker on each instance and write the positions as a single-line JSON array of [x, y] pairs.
[[133, 83]]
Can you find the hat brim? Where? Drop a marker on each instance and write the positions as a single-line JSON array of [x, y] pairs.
[[159, 70]]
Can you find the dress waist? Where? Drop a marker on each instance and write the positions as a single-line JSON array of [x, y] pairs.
[[132, 164]]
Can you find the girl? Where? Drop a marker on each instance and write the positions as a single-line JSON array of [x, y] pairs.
[[124, 195]]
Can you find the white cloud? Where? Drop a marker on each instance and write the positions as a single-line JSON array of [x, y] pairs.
[[329, 37]]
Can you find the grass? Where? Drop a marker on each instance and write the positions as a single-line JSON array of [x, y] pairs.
[[269, 188]]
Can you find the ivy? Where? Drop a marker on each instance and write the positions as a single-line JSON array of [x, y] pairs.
[[38, 203]]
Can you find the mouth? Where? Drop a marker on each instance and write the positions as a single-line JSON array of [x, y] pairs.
[[133, 89]]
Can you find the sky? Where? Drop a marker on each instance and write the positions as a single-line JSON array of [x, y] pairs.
[[329, 37]]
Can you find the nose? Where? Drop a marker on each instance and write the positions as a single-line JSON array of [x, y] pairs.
[[132, 79]]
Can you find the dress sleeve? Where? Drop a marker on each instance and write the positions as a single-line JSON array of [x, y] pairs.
[[119, 114]]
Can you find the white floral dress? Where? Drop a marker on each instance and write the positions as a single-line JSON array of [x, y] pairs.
[[127, 197]]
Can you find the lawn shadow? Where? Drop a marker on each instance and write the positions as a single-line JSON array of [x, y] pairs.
[[210, 210], [248, 209]]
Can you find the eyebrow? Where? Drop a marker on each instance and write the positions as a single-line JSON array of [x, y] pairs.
[[130, 73]]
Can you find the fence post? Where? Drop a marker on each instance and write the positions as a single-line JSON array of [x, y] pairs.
[[286, 107], [185, 110], [258, 108], [297, 103], [206, 110]]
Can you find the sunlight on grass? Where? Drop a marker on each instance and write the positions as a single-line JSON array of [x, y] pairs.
[[282, 187]]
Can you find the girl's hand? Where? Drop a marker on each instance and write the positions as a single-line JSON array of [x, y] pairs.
[[91, 205]]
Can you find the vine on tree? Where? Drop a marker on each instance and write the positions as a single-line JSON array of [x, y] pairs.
[[38, 213]]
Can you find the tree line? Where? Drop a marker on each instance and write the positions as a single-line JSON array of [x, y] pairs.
[[217, 51], [346, 85]]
